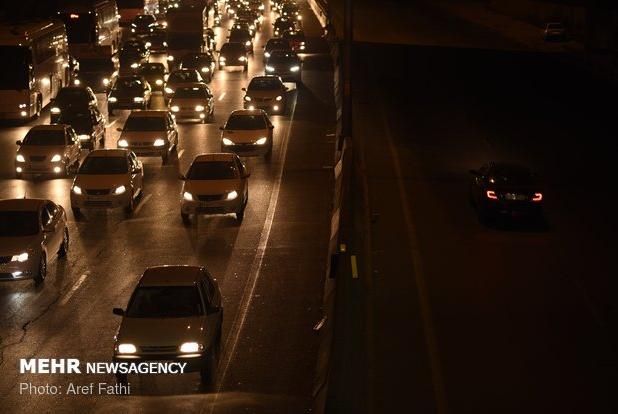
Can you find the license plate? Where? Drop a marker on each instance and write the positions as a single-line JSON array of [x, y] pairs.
[[515, 197]]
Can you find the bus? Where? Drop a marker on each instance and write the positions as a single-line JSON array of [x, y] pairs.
[[36, 58], [90, 25], [128, 9], [186, 27]]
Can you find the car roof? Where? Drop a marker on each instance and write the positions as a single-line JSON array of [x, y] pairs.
[[177, 275], [109, 152], [215, 156], [53, 127], [247, 112], [149, 113], [22, 204]]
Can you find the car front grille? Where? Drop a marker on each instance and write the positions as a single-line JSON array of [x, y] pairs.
[[37, 157], [262, 99], [104, 191], [158, 349], [101, 203], [211, 197]]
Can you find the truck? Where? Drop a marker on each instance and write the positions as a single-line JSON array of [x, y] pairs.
[[186, 32]]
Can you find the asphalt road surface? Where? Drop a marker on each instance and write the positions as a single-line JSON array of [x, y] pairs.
[[459, 317], [270, 268]]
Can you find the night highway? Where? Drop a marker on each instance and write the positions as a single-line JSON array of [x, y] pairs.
[[474, 269]]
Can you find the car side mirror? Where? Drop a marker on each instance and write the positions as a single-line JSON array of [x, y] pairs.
[[119, 129], [18, 142], [118, 311]]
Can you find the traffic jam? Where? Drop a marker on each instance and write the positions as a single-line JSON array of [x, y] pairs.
[[107, 95]]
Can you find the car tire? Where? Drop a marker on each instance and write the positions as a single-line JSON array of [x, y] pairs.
[[208, 374], [41, 271], [64, 247], [186, 220], [240, 215], [130, 208]]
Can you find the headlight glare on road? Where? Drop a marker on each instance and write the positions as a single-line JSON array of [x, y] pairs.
[[261, 141], [227, 141], [77, 190], [20, 257], [112, 99], [123, 143], [56, 158], [138, 99], [187, 196], [121, 189], [175, 108], [190, 347], [126, 349], [55, 110], [20, 158], [278, 98], [159, 142], [83, 137], [270, 69], [295, 68], [232, 195]]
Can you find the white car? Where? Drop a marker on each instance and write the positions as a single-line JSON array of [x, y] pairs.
[[248, 133], [151, 133], [33, 232]]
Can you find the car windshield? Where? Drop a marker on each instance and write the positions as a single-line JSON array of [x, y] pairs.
[[152, 69], [283, 55], [165, 302], [18, 223], [96, 65], [195, 61], [104, 165], [44, 137], [145, 123], [277, 44], [264, 84], [72, 94], [199, 93], [297, 36], [245, 122], [184, 76], [130, 83], [71, 118], [213, 170], [233, 48]]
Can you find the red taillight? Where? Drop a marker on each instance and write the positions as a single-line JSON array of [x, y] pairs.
[[491, 195], [537, 197]]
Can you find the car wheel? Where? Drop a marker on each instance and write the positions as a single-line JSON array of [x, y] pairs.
[[185, 218], [130, 208], [240, 215], [64, 247], [208, 373], [42, 271]]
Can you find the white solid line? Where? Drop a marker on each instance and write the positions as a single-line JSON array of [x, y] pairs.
[[256, 266], [431, 342], [141, 204], [222, 95], [354, 267], [180, 153], [74, 288]]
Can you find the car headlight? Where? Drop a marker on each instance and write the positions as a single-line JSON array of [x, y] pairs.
[[20, 257], [55, 110], [248, 43], [22, 106], [148, 44], [20, 158], [112, 99], [227, 141], [159, 82], [134, 65], [138, 99], [270, 69], [77, 190], [299, 17], [83, 137], [232, 195], [170, 58], [56, 158], [169, 90], [187, 196], [165, 45], [267, 54], [190, 347], [261, 141], [126, 349], [123, 143], [199, 108], [295, 68], [247, 98], [222, 59], [175, 108], [242, 59], [76, 82], [278, 98], [205, 69], [105, 81], [121, 189], [159, 142]]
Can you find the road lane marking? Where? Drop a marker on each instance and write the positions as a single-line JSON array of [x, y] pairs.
[[141, 204], [354, 267], [76, 286], [231, 341], [431, 342], [222, 96]]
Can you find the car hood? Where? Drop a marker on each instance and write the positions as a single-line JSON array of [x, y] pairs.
[[247, 136], [212, 187], [87, 181], [265, 94], [47, 150], [131, 93], [161, 331], [10, 246], [142, 136], [188, 102]]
